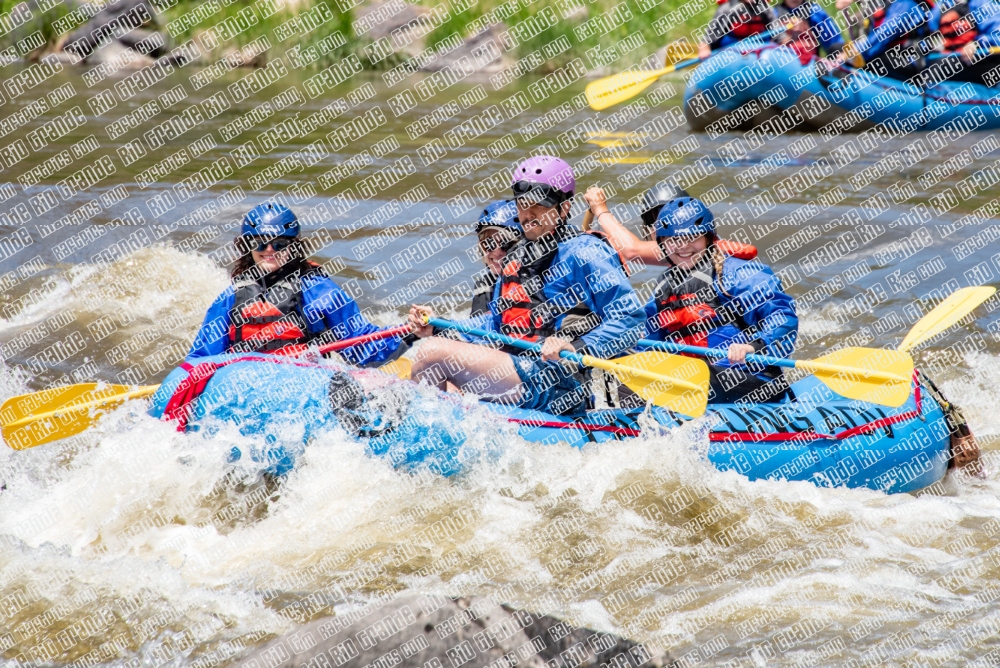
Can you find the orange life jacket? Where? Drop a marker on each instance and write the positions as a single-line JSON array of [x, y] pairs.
[[736, 249], [524, 311], [266, 319], [689, 309]]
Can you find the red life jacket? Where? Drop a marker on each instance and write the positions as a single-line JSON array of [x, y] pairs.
[[524, 311], [957, 26], [688, 310], [805, 45], [746, 23], [266, 319]]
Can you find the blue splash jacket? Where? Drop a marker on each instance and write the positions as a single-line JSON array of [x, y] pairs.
[[755, 293], [586, 270]]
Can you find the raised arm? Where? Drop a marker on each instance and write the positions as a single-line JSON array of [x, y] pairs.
[[626, 243]]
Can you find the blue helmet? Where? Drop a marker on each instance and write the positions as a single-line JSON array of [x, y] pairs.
[[270, 220], [499, 214], [685, 217]]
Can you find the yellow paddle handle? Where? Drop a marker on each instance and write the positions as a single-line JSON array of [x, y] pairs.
[[144, 391], [865, 373], [640, 373]]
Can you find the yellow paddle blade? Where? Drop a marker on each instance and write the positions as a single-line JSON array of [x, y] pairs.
[[617, 88], [875, 375], [678, 51], [946, 314], [399, 367], [41, 417], [673, 382]]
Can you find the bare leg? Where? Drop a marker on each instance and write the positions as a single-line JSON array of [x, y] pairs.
[[478, 369]]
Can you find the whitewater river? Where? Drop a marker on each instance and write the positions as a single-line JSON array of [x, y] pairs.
[[133, 545]]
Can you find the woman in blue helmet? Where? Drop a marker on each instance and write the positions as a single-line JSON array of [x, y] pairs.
[[710, 299], [281, 301], [498, 229]]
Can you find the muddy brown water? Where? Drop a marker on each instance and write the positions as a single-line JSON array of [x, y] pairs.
[[134, 545]]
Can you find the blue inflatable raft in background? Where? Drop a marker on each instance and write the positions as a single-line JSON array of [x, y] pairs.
[[744, 88], [817, 436]]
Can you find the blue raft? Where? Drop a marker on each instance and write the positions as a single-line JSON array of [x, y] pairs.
[[768, 88], [816, 435]]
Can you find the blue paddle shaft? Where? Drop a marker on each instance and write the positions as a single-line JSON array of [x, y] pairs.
[[714, 352], [499, 338]]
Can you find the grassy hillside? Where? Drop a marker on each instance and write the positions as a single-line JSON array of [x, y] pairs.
[[546, 33], [543, 34]]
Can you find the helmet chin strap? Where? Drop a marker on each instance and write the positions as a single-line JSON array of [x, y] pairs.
[[564, 219]]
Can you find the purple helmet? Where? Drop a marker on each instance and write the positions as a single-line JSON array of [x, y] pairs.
[[547, 180]]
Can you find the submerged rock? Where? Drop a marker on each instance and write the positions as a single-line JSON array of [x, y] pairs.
[[412, 630]]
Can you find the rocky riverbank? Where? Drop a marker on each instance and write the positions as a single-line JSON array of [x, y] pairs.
[[413, 631], [486, 36]]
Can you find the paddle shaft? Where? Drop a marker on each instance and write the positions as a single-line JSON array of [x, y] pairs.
[[767, 360], [401, 330], [989, 51], [583, 360]]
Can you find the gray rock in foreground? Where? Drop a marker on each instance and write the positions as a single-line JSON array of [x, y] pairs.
[[414, 631]]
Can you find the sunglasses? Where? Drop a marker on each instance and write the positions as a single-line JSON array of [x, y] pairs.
[[503, 240], [528, 193], [260, 244]]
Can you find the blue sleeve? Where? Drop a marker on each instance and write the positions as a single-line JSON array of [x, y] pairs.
[[899, 15], [766, 308], [653, 331], [987, 13], [825, 29], [327, 307], [213, 335], [489, 321], [610, 295]]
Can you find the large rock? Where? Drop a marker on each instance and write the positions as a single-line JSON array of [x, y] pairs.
[[116, 19], [483, 51], [147, 42], [412, 631]]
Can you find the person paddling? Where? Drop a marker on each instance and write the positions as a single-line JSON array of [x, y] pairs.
[[498, 229], [709, 299], [971, 28], [281, 302], [896, 26], [809, 29], [558, 286], [735, 21]]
